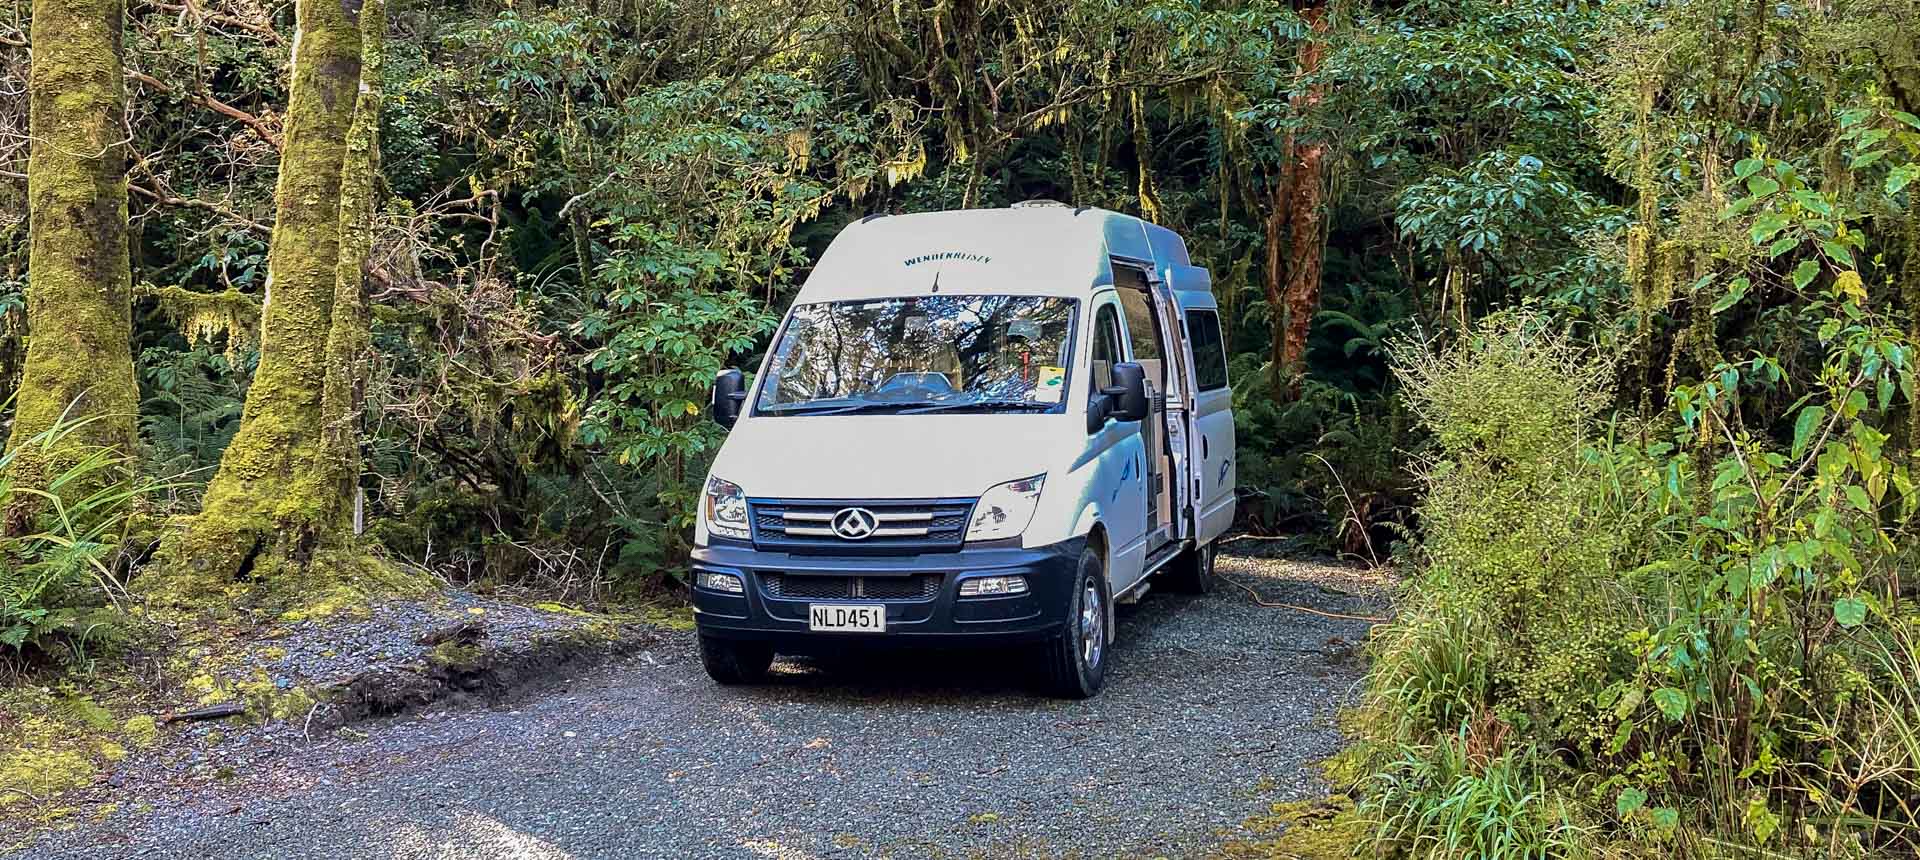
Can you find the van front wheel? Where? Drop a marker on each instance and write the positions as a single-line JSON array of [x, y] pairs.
[[733, 662], [1075, 663]]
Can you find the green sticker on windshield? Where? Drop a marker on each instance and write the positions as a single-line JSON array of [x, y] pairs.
[[1048, 384]]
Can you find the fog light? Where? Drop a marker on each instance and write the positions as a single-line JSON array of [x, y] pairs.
[[726, 582], [993, 586]]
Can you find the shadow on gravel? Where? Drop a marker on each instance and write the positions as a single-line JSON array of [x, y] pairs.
[[894, 675]]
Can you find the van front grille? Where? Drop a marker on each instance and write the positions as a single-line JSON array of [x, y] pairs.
[[897, 527], [917, 587]]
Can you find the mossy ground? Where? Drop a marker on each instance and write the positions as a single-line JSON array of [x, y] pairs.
[[332, 583], [1327, 828], [55, 738], [1323, 829]]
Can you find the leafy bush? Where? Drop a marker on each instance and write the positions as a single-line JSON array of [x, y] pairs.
[[1667, 634], [1516, 534], [1327, 462]]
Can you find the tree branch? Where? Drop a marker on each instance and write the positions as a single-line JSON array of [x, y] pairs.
[[262, 30], [222, 210], [259, 127]]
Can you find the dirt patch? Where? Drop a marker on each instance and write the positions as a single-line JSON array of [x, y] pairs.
[[474, 673]]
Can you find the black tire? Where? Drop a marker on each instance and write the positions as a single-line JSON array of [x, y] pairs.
[[733, 662], [1192, 572], [1074, 663]]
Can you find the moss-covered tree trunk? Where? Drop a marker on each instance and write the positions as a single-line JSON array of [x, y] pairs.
[[282, 496], [349, 337], [79, 363]]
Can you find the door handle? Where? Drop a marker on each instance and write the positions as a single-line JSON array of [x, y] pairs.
[[1204, 453]]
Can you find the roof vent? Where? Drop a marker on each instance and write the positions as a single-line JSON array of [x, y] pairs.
[[1039, 204]]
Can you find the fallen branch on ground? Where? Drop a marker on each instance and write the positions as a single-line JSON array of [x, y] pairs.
[[211, 712], [1259, 601]]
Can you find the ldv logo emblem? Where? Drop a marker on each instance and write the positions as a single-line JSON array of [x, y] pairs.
[[854, 523]]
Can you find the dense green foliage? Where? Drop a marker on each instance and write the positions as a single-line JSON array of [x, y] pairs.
[[1614, 345], [1665, 598]]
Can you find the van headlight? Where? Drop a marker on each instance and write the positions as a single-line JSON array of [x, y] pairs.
[[726, 507], [1005, 510]]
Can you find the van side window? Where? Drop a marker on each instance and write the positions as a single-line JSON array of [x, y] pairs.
[[1209, 353], [1106, 346], [1141, 326]]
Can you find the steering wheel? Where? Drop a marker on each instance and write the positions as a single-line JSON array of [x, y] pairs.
[[915, 386]]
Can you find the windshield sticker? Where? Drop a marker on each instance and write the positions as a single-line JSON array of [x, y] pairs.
[[949, 255], [1048, 385]]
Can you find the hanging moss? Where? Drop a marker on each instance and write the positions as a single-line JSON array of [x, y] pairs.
[[206, 317], [1672, 260], [79, 297], [1150, 207]]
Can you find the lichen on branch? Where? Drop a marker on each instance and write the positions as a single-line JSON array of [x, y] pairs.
[[205, 317]]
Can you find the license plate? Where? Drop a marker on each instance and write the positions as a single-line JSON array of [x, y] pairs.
[[842, 618]]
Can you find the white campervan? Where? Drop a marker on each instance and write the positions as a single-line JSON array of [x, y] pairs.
[[976, 426]]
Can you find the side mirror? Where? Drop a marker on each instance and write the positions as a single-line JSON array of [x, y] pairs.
[[1129, 392], [1099, 409], [729, 391]]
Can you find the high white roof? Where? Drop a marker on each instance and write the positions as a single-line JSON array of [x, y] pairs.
[[1045, 250]]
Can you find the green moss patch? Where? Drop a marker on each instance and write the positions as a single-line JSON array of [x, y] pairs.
[[1324, 829], [57, 741]]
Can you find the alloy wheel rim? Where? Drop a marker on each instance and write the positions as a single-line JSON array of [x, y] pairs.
[[1092, 626]]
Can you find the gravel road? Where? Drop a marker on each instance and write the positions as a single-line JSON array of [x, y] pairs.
[[1214, 709]]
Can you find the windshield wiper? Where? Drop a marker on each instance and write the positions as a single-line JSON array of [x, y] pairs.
[[1021, 405], [870, 406]]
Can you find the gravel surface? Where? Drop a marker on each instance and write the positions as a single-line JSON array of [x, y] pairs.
[[1214, 709]]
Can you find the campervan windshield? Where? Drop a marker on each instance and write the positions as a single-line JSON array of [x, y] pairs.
[[922, 354]]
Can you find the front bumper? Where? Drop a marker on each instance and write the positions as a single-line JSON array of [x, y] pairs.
[[761, 614]]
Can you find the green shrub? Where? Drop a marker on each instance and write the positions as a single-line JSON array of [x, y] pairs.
[[1328, 463], [1517, 533], [1671, 635]]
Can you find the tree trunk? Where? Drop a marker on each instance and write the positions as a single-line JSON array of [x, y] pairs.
[[349, 333], [1276, 280], [1303, 203], [79, 362], [283, 493]]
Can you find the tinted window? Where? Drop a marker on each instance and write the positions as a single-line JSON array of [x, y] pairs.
[[1141, 326], [1209, 353], [1106, 346], [908, 353]]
